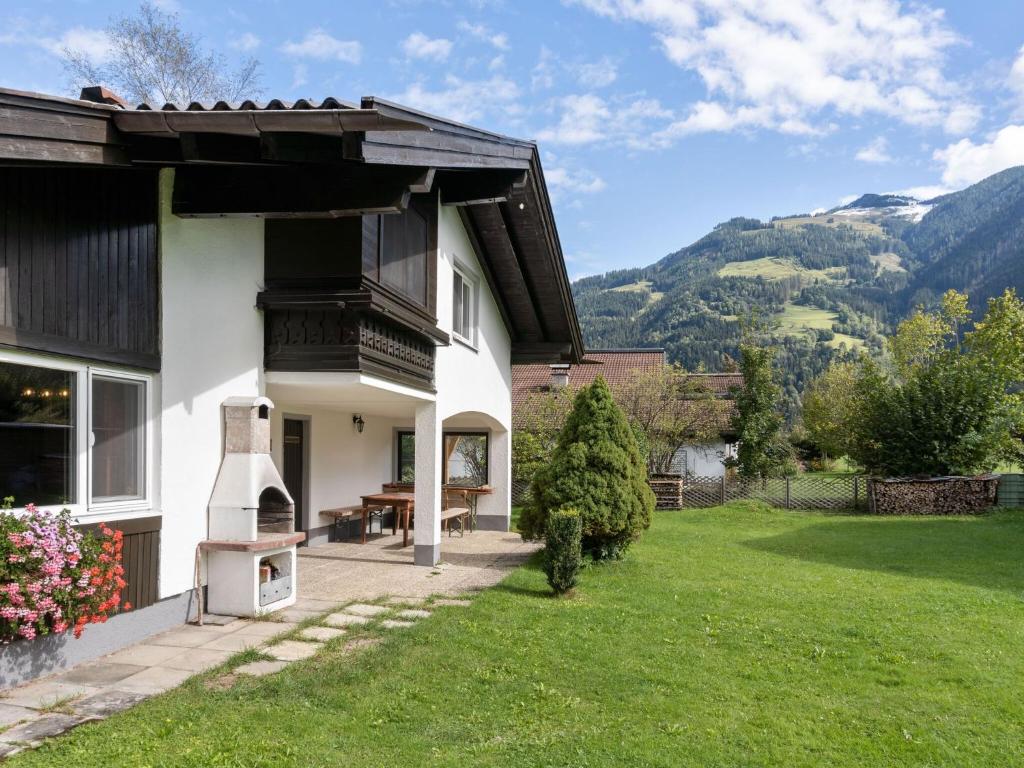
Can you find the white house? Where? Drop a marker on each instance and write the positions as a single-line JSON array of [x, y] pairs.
[[254, 312]]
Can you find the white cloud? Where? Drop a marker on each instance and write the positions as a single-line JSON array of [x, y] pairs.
[[247, 41], [596, 74], [464, 100], [419, 46], [561, 178], [92, 43], [876, 152], [481, 32], [318, 44], [790, 65], [300, 76], [498, 62], [1016, 79], [543, 75], [966, 162], [923, 192], [588, 118]]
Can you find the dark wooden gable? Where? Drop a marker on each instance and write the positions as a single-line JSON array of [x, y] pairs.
[[78, 263]]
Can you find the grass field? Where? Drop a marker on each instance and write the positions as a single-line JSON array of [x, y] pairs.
[[775, 268], [736, 636], [796, 317], [861, 225], [640, 286]]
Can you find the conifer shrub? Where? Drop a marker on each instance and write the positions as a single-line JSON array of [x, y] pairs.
[[563, 554], [597, 469]]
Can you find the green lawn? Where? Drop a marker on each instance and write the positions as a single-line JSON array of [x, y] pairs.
[[736, 636]]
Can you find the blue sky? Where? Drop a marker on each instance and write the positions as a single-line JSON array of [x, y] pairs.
[[656, 119]]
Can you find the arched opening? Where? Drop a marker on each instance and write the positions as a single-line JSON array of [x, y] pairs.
[[275, 513]]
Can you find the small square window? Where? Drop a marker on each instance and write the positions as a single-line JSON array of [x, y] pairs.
[[119, 439]]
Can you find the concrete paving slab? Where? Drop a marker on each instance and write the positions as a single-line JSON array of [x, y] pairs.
[[11, 714], [296, 614], [107, 703], [399, 600], [365, 609], [144, 655], [154, 680], [41, 728], [314, 604], [261, 668], [413, 613], [187, 637], [100, 673], [46, 693], [267, 628], [292, 650], [345, 620], [453, 602], [198, 659], [395, 624], [234, 642], [321, 634], [9, 750]]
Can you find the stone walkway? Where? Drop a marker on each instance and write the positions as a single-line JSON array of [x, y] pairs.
[[375, 583]]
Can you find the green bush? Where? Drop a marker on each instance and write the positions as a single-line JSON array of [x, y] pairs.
[[563, 554], [597, 469]]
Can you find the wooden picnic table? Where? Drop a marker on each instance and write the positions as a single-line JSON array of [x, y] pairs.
[[472, 492], [402, 502]]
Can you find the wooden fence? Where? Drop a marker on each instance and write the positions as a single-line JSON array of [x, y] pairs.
[[801, 492], [1011, 491]]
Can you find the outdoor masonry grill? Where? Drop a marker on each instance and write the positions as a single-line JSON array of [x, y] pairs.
[[251, 548]]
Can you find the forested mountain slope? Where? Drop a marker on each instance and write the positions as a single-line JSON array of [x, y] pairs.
[[831, 284]]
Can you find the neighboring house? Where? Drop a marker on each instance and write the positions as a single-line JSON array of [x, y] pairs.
[[706, 460], [618, 367], [372, 270]]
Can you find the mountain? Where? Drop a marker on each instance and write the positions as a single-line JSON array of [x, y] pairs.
[[831, 284]]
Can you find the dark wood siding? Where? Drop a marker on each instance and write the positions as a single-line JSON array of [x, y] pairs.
[[78, 263], [313, 252], [140, 559]]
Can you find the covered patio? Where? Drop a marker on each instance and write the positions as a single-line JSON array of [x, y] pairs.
[[339, 572]]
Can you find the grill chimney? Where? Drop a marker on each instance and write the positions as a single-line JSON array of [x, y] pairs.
[[559, 375]]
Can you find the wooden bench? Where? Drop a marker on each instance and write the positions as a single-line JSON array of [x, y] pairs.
[[340, 514], [454, 513]]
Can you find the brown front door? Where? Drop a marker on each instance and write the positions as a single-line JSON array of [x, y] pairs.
[[295, 467]]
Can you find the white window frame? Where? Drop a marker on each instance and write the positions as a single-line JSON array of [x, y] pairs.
[[80, 507], [467, 279], [147, 442]]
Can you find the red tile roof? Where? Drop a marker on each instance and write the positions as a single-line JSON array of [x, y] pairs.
[[617, 366]]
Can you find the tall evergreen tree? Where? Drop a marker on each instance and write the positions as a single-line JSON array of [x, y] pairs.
[[598, 470], [762, 451]]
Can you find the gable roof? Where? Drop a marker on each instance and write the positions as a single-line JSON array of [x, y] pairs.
[[353, 159]]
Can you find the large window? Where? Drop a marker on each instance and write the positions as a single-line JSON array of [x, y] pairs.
[[38, 446], [463, 308], [118, 439], [463, 458], [72, 436]]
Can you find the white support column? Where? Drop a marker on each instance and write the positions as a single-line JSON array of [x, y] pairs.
[[495, 511], [427, 533]]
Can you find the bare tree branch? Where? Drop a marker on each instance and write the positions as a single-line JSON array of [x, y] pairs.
[[155, 61]]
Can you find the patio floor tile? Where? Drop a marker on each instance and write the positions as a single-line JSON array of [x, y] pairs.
[[41, 728], [345, 619], [107, 703], [297, 614], [198, 659], [261, 668], [154, 680], [100, 673], [364, 609], [46, 693], [292, 650], [321, 634]]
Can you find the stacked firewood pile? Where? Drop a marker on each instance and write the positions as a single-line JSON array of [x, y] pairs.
[[934, 495], [668, 491]]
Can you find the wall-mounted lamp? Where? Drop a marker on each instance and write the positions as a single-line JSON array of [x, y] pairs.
[[357, 419]]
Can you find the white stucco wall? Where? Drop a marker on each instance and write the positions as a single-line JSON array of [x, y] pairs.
[[702, 460], [474, 381], [212, 346]]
